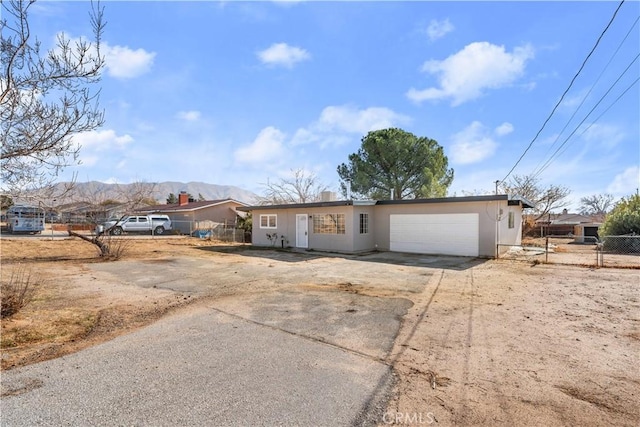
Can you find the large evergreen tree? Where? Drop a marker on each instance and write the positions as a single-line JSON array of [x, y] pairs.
[[398, 164]]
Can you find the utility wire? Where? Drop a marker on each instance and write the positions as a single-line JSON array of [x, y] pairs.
[[550, 160], [565, 92], [589, 92]]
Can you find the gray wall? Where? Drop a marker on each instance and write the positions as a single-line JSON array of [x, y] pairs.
[[286, 225], [379, 220], [486, 211]]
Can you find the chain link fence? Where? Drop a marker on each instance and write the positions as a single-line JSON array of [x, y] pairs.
[[212, 230], [608, 251]]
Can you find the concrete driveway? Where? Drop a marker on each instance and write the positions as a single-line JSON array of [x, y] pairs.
[[284, 339]]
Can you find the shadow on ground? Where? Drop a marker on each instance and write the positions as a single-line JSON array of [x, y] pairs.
[[395, 258]]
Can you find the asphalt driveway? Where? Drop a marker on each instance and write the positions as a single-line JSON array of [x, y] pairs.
[[282, 339]]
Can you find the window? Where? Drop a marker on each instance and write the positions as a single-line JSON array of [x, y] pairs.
[[268, 221], [328, 223], [364, 223], [511, 220], [142, 219]]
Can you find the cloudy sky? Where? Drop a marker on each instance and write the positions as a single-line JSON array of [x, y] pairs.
[[239, 93]]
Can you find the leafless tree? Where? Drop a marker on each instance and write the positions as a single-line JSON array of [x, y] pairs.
[[46, 97], [596, 204], [302, 187], [546, 199], [127, 198]]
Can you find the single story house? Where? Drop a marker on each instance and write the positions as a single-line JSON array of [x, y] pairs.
[[188, 215], [584, 228], [475, 226]]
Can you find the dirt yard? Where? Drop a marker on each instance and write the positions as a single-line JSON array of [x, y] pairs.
[[483, 342]]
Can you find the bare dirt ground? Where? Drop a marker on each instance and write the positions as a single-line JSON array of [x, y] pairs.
[[484, 343]]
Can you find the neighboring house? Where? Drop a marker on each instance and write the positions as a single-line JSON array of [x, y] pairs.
[[187, 215], [570, 224], [81, 212], [465, 226]]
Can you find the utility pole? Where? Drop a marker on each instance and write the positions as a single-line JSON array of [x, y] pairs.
[[497, 182]]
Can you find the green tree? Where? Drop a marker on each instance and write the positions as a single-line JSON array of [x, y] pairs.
[[172, 199], [624, 218], [398, 163], [5, 202]]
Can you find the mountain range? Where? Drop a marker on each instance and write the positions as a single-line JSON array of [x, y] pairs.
[[85, 191]]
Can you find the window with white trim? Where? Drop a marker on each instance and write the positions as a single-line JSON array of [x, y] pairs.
[[269, 221], [328, 224], [364, 223]]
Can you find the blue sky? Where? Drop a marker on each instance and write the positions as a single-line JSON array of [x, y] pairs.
[[239, 93]]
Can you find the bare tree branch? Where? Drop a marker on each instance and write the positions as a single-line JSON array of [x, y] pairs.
[[546, 199], [45, 98], [302, 187]]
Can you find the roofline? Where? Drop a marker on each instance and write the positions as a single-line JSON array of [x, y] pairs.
[[296, 205], [489, 198], [178, 209]]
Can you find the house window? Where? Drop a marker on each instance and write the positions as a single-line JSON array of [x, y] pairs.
[[328, 223], [511, 220], [364, 223], [268, 221]]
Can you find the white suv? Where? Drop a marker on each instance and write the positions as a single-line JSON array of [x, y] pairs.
[[155, 223]]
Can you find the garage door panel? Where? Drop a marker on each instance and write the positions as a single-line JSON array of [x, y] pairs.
[[447, 234]]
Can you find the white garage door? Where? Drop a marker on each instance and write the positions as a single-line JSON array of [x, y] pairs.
[[447, 234]]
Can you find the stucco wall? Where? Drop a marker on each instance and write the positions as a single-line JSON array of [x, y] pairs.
[[379, 223], [286, 225], [486, 211]]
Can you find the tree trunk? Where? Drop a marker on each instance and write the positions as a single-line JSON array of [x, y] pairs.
[[104, 248]]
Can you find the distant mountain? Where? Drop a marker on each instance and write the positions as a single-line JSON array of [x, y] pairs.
[[84, 191]]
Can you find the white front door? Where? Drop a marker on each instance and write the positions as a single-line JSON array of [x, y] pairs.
[[302, 231]]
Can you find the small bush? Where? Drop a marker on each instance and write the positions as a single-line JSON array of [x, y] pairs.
[[17, 292]]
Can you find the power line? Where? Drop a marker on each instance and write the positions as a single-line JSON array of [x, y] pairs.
[[548, 162], [590, 90], [565, 92]]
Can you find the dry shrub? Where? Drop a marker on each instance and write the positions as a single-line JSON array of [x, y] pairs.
[[116, 247], [17, 291]]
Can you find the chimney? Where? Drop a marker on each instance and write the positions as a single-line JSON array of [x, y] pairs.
[[183, 198], [327, 196]]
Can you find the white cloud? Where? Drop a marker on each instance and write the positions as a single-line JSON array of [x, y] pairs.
[[336, 122], [466, 74], [438, 29], [189, 116], [473, 144], [626, 182], [96, 145], [124, 63], [268, 146], [281, 54], [504, 129], [603, 135], [101, 140]]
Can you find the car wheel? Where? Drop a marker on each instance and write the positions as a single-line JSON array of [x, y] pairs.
[[159, 230], [116, 231]]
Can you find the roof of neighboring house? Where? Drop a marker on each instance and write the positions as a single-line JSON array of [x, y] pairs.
[[511, 200], [571, 219], [191, 206]]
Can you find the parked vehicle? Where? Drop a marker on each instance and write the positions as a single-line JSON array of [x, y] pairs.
[[24, 218], [157, 224]]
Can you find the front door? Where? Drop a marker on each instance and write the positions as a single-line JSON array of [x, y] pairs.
[[302, 231]]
